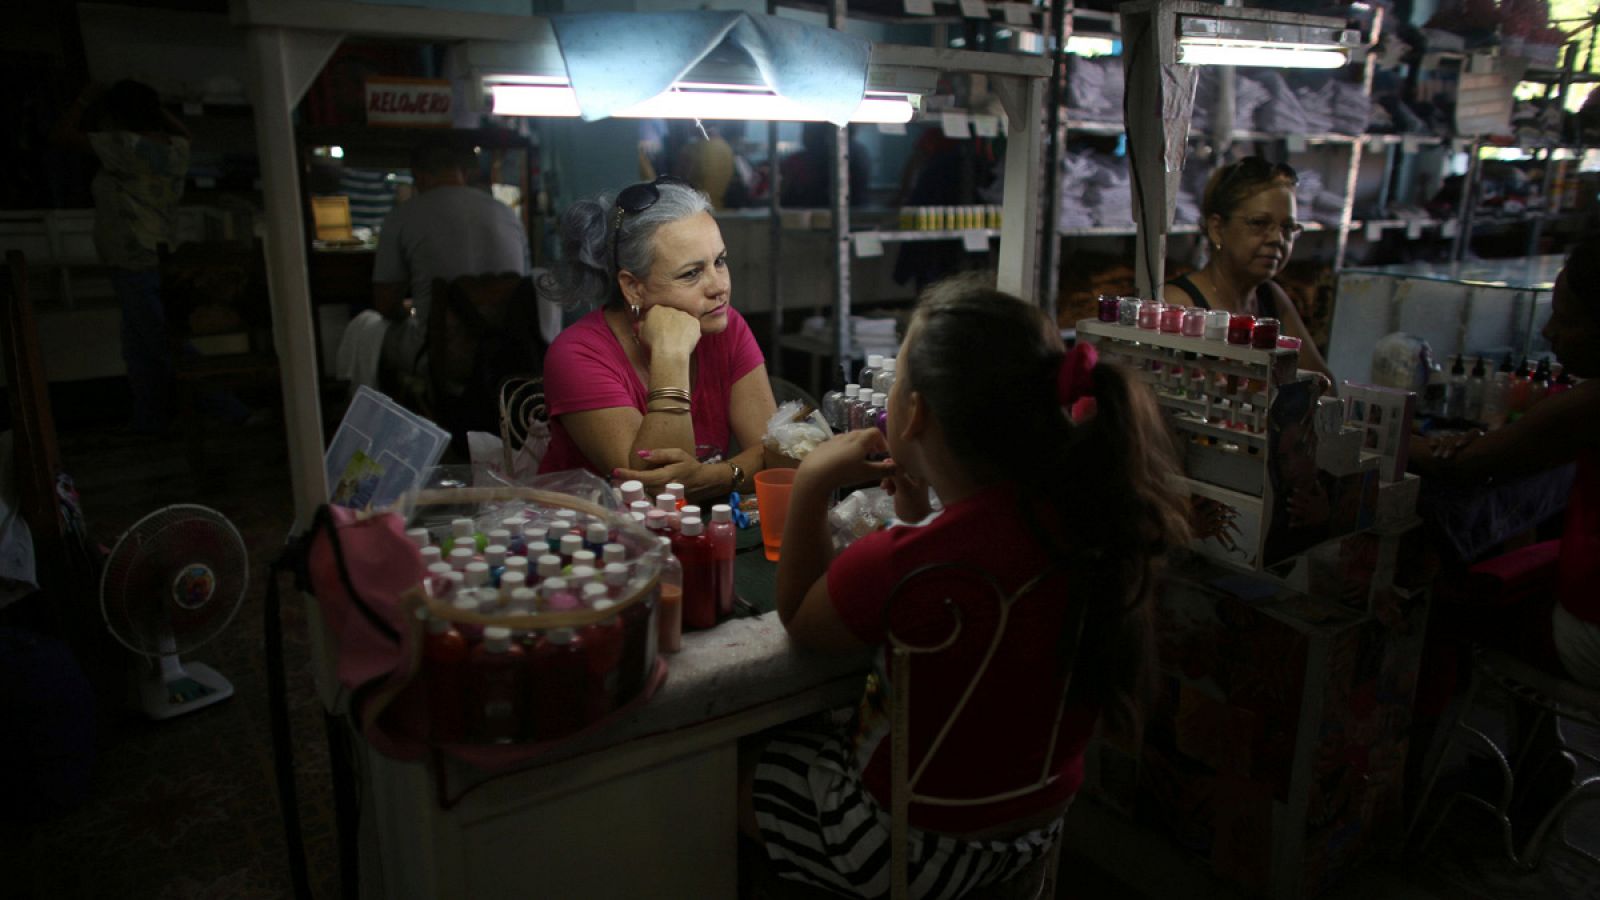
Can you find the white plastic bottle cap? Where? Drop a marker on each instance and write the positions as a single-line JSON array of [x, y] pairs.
[[468, 543], [459, 557], [495, 554], [690, 511], [457, 580], [593, 593], [597, 533], [553, 585], [536, 534], [549, 565], [501, 536], [852, 390], [640, 506], [440, 568], [675, 489], [613, 553], [582, 575], [515, 525], [889, 364], [431, 555], [691, 526], [655, 520], [666, 503], [461, 528], [616, 574], [637, 517], [583, 558], [524, 597], [874, 360], [878, 399], [496, 639], [511, 581], [722, 512], [570, 515], [517, 564], [602, 603], [477, 574], [570, 544], [665, 542], [419, 536], [632, 486]]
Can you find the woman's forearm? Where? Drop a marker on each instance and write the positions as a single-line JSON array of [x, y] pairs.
[[662, 425]]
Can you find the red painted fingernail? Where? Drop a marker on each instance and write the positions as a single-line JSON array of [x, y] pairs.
[[615, 472], [644, 454]]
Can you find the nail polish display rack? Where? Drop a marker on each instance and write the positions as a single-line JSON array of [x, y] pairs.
[[1217, 397]]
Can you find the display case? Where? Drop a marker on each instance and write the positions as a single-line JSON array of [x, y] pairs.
[[1487, 308], [1253, 432]]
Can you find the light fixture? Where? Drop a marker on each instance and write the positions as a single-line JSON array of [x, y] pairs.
[[553, 96], [336, 152], [1090, 46], [1265, 38]]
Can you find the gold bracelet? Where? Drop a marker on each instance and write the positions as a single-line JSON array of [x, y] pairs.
[[674, 410], [669, 394]]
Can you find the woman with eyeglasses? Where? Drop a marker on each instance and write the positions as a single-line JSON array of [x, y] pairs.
[[665, 365], [1248, 213]]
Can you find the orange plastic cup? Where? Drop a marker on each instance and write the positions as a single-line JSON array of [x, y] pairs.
[[772, 496]]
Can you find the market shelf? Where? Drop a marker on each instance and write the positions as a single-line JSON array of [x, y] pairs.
[[933, 234]]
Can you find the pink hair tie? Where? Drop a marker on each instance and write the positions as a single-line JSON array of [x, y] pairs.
[[1075, 381]]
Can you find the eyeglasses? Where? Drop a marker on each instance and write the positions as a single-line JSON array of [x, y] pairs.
[[635, 199], [1261, 225]]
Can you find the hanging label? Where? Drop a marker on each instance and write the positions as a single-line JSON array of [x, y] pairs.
[[1413, 229], [891, 128], [1449, 227], [408, 101], [986, 126], [975, 9], [1374, 231], [975, 242], [1296, 143], [868, 244], [919, 7], [955, 125], [1019, 14]]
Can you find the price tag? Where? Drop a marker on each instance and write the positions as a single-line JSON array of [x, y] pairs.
[[1449, 227], [1019, 14], [868, 244], [1374, 231], [1296, 143], [891, 128], [986, 126], [955, 125], [193, 109], [975, 9], [919, 7], [975, 242], [1413, 229]]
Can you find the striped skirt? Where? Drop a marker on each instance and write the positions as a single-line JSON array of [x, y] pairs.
[[821, 827]]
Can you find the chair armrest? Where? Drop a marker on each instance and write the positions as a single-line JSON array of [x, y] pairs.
[[1516, 576]]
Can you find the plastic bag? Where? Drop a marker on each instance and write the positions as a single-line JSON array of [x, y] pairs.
[[795, 440], [860, 514]]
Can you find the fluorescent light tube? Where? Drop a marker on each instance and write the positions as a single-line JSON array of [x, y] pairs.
[[1208, 54], [693, 102]]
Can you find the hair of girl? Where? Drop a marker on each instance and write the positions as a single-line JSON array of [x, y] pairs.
[[586, 275], [1095, 494]]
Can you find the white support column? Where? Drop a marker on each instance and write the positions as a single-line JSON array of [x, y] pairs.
[[282, 65], [1023, 99]]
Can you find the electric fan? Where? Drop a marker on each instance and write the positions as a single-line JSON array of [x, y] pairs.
[[173, 582]]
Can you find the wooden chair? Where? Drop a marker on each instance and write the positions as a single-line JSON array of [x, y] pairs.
[[482, 331], [219, 327], [522, 413]]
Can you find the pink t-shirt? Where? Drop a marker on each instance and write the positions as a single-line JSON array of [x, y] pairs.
[[587, 369]]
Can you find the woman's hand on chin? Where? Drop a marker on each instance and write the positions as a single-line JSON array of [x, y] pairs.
[[667, 330], [664, 466]]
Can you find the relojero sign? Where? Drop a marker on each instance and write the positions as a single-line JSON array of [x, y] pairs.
[[408, 101]]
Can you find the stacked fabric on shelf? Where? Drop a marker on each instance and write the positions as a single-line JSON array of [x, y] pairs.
[[1094, 191], [1280, 112], [1094, 89], [1316, 204]]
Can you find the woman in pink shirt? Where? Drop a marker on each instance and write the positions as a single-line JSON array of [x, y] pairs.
[[665, 365]]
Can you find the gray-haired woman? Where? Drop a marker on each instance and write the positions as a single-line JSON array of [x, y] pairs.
[[665, 365]]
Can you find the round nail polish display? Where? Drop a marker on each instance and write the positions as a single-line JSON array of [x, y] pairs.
[[1264, 335], [1217, 324], [1127, 310], [1171, 319], [1108, 308], [1150, 314], [1194, 322]]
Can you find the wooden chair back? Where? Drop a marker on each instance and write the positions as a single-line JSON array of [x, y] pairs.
[[924, 586]]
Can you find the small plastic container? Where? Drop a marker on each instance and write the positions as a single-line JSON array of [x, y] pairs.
[[1264, 336], [1194, 322], [1217, 324], [1150, 314], [1240, 328], [1172, 319], [1288, 342], [1128, 311], [1108, 309]]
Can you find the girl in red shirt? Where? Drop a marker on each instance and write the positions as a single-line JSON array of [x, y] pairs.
[[1051, 530]]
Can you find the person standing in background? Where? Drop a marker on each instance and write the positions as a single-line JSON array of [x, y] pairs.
[[446, 231], [144, 156]]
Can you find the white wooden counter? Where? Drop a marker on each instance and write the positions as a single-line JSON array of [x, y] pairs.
[[646, 808]]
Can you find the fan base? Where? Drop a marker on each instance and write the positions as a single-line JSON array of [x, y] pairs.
[[164, 699]]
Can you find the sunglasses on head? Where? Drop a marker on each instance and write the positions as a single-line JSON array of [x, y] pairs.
[[635, 199], [1252, 169]]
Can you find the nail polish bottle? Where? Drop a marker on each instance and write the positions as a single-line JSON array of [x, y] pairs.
[[495, 688]]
